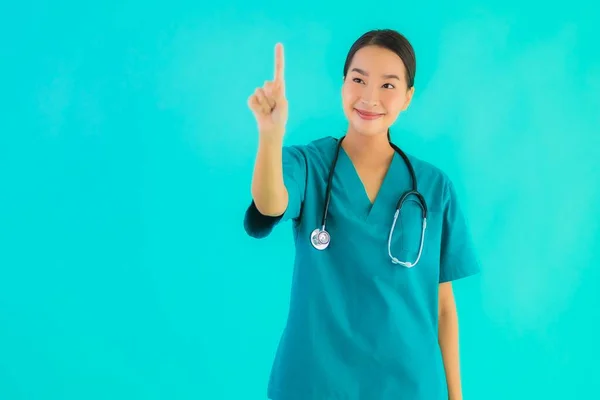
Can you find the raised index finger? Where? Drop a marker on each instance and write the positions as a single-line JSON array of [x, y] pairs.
[[279, 62]]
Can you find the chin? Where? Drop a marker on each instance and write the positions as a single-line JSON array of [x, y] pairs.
[[369, 128]]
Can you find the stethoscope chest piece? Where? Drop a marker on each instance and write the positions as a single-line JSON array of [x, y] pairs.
[[320, 239]]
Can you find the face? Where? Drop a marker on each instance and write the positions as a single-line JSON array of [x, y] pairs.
[[375, 92]]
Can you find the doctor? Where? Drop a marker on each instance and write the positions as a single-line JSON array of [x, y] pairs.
[[372, 314]]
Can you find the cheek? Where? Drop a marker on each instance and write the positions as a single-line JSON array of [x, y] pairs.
[[393, 103], [348, 97]]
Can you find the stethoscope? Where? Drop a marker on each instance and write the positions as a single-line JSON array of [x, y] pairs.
[[320, 238]]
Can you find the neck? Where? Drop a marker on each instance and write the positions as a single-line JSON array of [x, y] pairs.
[[365, 149]]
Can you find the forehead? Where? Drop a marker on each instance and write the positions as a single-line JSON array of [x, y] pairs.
[[378, 60]]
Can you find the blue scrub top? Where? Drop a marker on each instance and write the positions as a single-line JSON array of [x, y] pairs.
[[360, 327]]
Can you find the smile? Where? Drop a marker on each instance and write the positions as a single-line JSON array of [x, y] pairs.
[[368, 115]]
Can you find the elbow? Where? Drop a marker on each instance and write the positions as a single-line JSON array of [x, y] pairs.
[[254, 230], [256, 224], [446, 302]]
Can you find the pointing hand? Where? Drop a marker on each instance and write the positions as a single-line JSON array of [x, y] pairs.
[[268, 103]]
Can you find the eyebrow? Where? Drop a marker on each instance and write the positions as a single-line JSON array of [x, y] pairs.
[[386, 76]]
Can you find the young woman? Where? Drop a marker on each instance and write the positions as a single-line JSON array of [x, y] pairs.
[[372, 314]]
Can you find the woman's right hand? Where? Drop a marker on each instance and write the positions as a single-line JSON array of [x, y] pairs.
[[269, 104]]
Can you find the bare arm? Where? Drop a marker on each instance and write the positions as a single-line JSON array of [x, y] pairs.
[[268, 189], [448, 340]]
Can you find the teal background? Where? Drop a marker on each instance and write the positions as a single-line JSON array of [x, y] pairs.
[[126, 155]]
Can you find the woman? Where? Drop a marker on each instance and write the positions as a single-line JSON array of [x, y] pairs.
[[372, 315]]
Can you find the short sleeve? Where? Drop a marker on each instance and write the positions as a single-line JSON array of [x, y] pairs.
[[294, 177], [458, 257]]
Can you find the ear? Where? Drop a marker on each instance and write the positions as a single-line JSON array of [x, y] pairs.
[[409, 94]]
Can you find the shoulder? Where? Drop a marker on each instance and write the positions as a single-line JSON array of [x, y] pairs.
[[316, 146], [314, 152], [427, 171], [433, 179]]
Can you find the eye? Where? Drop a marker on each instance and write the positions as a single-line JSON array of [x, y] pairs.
[[357, 80], [389, 86]]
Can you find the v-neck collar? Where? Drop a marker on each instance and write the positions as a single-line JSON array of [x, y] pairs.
[[384, 202]]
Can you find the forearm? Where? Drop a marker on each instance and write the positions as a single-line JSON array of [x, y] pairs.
[[268, 190], [448, 340]]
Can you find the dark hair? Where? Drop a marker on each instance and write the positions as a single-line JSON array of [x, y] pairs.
[[390, 40]]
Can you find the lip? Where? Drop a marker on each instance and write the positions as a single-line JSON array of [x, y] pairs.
[[367, 114]]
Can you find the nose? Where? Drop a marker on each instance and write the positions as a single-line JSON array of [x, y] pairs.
[[369, 97], [368, 103]]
